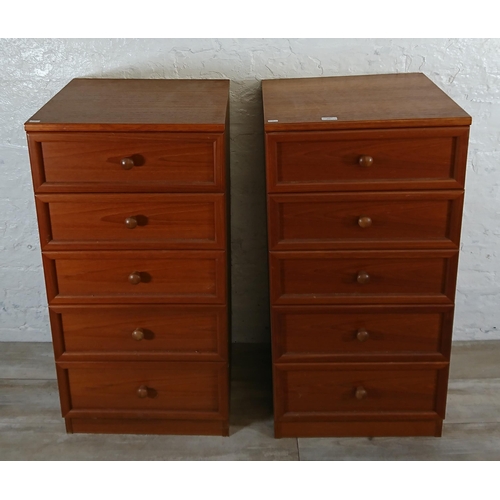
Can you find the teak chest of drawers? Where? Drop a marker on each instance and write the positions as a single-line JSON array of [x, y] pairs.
[[130, 184], [365, 186]]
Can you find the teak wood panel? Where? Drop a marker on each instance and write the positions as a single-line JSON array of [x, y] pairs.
[[85, 221], [332, 333], [165, 276], [169, 332], [90, 162], [402, 159], [153, 105], [214, 427], [176, 387], [329, 389], [143, 144], [373, 425], [358, 101], [397, 220], [394, 277]]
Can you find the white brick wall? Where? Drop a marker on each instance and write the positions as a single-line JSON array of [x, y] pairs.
[[33, 70]]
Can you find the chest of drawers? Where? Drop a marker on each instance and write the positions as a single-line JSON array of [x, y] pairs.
[[365, 186], [130, 184]]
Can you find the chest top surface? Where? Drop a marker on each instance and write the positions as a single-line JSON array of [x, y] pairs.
[[357, 102], [135, 105]]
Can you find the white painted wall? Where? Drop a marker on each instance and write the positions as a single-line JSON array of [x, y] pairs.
[[33, 70]]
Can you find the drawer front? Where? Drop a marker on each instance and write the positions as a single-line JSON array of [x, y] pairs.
[[152, 330], [331, 388], [361, 277], [431, 158], [365, 220], [135, 221], [135, 386], [154, 276], [321, 333], [128, 162]]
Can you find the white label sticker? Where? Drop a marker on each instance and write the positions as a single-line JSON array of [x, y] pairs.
[[272, 121], [328, 118], [34, 121]]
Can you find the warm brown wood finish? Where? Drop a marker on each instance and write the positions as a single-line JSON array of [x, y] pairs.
[[130, 180], [375, 101], [365, 179], [166, 276], [349, 388], [132, 331], [151, 221], [118, 387], [151, 162], [335, 333], [362, 277], [417, 158], [364, 220], [133, 105]]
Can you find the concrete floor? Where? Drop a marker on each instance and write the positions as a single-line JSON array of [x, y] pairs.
[[31, 427]]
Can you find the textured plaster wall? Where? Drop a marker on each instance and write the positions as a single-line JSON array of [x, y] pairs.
[[33, 70]]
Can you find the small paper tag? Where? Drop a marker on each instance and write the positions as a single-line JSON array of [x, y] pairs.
[[34, 121], [272, 121], [328, 118]]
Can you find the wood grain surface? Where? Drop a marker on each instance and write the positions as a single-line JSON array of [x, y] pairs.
[[404, 99], [87, 104], [365, 182]]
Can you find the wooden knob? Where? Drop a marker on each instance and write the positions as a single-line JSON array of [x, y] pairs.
[[131, 222], [362, 335], [138, 334], [364, 221], [127, 163], [134, 278], [363, 277], [142, 392], [365, 161], [361, 392]]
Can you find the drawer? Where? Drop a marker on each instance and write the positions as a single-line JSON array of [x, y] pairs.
[[133, 221], [427, 158], [127, 162], [128, 276], [155, 331], [336, 333], [317, 389], [362, 277], [150, 388], [365, 220]]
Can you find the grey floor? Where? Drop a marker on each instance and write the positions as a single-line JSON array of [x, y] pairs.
[[31, 427]]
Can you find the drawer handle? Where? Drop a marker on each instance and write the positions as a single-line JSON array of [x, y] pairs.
[[364, 221], [134, 278], [127, 163], [142, 392], [131, 222], [361, 392], [365, 161], [138, 334], [363, 277], [362, 335]]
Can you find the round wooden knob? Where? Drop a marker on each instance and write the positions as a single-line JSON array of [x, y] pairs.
[[131, 222], [363, 277], [361, 392], [365, 161], [142, 392], [127, 163], [138, 334], [134, 278], [362, 335], [364, 221]]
